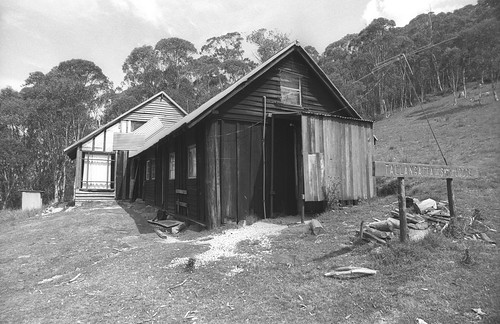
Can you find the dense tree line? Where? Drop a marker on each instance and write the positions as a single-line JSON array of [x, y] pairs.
[[384, 68], [380, 69]]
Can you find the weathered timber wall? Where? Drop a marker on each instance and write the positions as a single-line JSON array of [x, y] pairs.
[[337, 154], [161, 108], [248, 104]]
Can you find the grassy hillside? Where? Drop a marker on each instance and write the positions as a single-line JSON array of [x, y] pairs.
[[97, 264], [468, 134]]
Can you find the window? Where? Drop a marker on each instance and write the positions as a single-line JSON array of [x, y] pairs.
[[148, 169], [135, 124], [290, 89], [153, 169], [171, 166], [192, 162]]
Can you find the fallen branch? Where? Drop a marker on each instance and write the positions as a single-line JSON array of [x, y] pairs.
[[350, 272], [178, 285], [76, 277]]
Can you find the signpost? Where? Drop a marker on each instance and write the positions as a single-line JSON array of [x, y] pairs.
[[414, 170]]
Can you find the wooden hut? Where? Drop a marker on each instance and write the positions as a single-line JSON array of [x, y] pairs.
[[101, 156], [280, 137]]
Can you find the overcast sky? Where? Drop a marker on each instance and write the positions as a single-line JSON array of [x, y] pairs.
[[36, 35]]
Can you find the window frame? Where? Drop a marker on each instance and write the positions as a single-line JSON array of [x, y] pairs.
[[152, 169], [297, 90], [148, 169], [171, 166], [192, 163]]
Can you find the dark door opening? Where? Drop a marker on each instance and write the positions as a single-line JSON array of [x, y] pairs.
[[286, 134]]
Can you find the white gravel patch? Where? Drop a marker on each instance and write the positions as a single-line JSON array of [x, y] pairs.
[[224, 245]]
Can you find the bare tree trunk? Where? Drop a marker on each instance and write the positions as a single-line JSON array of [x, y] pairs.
[[56, 188], [493, 84], [63, 195], [464, 83], [436, 68]]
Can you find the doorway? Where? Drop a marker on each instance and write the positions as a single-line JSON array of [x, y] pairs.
[[285, 175]]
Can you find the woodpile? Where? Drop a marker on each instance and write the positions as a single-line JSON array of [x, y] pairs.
[[422, 216]]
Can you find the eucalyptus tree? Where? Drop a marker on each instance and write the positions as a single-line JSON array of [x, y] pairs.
[[14, 155], [65, 105], [268, 43]]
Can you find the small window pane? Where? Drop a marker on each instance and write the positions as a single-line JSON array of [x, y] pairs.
[[148, 169], [192, 161], [290, 89], [171, 166]]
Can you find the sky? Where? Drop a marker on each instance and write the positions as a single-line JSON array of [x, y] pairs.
[[36, 35]]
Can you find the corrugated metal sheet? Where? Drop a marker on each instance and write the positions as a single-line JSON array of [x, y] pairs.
[[135, 140], [128, 141], [149, 128]]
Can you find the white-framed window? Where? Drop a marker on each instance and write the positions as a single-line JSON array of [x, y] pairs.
[[153, 169], [171, 166], [192, 162], [290, 86], [148, 169]]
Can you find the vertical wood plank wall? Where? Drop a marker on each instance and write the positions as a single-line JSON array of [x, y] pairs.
[[233, 171], [337, 152]]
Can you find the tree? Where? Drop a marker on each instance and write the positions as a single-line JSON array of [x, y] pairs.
[[66, 104], [312, 52], [174, 56], [225, 47], [142, 70], [14, 156], [119, 104], [268, 43]]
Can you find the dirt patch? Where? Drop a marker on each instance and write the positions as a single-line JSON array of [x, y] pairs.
[[224, 245]]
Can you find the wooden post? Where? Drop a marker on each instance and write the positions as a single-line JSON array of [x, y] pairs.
[[403, 231], [451, 204]]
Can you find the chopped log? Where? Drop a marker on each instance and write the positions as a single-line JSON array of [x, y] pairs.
[[350, 272], [369, 236], [418, 226], [411, 218], [316, 227], [435, 219], [425, 205], [384, 226], [380, 234], [438, 212], [394, 222]]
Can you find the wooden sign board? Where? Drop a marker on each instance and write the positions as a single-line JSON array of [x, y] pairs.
[[409, 170]]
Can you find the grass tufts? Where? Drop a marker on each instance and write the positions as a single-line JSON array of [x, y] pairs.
[[13, 215], [413, 254]]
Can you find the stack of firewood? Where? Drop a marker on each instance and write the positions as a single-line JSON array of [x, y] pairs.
[[424, 215], [420, 215]]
